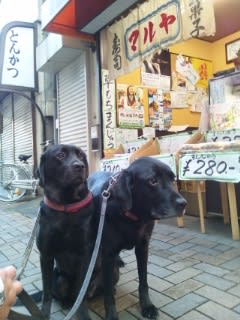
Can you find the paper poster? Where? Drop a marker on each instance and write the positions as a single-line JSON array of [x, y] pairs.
[[123, 135], [130, 106], [156, 70], [189, 74], [159, 109]]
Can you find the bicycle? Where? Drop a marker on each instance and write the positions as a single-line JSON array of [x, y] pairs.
[[17, 179]]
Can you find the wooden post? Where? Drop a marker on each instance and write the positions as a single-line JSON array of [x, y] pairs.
[[201, 207], [224, 201], [233, 211]]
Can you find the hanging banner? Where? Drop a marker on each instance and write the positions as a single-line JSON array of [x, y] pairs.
[[197, 18], [17, 59], [153, 25]]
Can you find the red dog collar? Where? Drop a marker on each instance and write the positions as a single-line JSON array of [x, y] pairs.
[[69, 208], [131, 215]]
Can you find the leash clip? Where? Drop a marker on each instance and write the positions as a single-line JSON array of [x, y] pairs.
[[106, 193]]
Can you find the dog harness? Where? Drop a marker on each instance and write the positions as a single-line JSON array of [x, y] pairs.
[[71, 207]]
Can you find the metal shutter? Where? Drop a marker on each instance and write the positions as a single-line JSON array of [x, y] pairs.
[[72, 104], [7, 152], [23, 127]]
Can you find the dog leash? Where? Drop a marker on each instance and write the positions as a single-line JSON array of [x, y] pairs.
[[26, 298], [29, 247], [80, 297]]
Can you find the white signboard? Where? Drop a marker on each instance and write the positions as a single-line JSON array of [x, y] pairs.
[[119, 163], [114, 165], [18, 54], [168, 159], [219, 166], [224, 135]]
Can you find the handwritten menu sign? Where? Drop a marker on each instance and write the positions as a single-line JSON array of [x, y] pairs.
[[114, 165], [109, 111], [219, 166], [119, 163]]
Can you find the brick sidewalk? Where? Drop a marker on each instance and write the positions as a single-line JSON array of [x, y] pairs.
[[192, 276]]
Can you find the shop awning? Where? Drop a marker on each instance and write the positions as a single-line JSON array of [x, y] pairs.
[[82, 18]]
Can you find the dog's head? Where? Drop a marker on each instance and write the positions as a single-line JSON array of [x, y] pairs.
[[63, 167], [148, 188]]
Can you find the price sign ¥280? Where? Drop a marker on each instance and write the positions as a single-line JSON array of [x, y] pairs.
[[219, 166]]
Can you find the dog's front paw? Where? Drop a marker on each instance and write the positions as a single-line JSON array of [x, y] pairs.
[[150, 312], [45, 314], [45, 310]]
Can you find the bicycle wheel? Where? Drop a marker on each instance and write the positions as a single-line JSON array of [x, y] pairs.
[[9, 175]]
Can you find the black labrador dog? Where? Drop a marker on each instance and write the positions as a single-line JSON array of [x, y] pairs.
[[66, 235], [142, 193]]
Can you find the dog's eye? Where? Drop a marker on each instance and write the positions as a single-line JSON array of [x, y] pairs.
[[80, 156], [153, 181], [60, 155]]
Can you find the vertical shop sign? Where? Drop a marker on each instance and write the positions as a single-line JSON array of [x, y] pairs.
[[17, 60], [109, 111]]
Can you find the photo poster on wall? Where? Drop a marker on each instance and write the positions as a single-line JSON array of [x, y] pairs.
[[189, 73], [190, 77], [159, 109], [156, 70], [131, 106]]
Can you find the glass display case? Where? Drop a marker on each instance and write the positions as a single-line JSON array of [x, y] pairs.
[[224, 100]]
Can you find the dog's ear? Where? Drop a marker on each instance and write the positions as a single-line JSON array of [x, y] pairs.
[[121, 190], [40, 171]]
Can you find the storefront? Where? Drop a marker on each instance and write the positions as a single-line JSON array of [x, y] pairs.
[[170, 93]]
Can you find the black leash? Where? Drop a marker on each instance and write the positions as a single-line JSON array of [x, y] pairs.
[[31, 306], [26, 299]]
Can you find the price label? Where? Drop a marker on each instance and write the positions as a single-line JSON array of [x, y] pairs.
[[168, 159], [115, 164], [132, 146], [219, 166], [225, 135]]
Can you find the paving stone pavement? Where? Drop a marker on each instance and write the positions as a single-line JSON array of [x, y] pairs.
[[192, 276]]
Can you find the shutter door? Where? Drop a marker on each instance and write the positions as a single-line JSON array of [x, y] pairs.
[[7, 152], [72, 104], [23, 127]]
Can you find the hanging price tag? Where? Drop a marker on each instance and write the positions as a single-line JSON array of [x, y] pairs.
[[115, 164], [219, 166]]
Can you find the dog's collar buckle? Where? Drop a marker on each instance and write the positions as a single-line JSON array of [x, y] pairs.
[[69, 208]]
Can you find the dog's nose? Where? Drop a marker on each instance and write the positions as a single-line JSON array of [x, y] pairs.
[[78, 165], [181, 204]]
